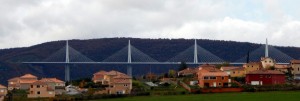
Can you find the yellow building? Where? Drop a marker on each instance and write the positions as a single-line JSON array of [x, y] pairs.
[[267, 62], [233, 71], [295, 64], [40, 89], [252, 66], [3, 92]]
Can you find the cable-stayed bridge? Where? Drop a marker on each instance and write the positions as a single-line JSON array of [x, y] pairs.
[[129, 55]]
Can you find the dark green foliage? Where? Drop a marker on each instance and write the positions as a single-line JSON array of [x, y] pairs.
[[182, 66]]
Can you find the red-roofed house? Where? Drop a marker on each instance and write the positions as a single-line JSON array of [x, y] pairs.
[[99, 77], [265, 77], [210, 76], [188, 71], [118, 83], [40, 89], [22, 82]]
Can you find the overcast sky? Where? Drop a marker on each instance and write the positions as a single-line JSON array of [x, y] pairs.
[[30, 22]]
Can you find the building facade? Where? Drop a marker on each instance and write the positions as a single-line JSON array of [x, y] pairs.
[[3, 92], [265, 77], [295, 65], [40, 89], [210, 76]]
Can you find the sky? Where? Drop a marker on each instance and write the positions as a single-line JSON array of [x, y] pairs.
[[28, 22]]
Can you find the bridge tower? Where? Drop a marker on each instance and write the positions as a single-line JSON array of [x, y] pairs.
[[67, 68], [195, 52], [266, 49], [129, 68]]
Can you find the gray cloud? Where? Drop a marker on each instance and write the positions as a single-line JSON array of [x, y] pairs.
[[25, 23]]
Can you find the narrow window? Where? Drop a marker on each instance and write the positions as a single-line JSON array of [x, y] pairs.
[[38, 92], [37, 86]]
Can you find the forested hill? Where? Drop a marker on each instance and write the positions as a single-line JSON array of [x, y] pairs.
[[99, 49]]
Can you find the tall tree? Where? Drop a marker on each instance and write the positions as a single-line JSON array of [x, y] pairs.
[[182, 66]]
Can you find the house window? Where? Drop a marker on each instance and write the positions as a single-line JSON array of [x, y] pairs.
[[206, 78], [233, 72], [220, 84], [31, 92], [213, 77], [223, 78], [260, 76], [31, 86], [270, 61], [252, 66], [265, 61], [37, 86], [298, 68], [38, 92], [125, 85], [269, 76]]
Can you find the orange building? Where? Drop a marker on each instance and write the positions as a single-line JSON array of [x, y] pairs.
[[252, 66], [210, 76]]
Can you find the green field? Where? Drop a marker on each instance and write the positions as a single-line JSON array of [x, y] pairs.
[[243, 96]]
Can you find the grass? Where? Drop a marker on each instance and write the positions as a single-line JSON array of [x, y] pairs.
[[243, 96]]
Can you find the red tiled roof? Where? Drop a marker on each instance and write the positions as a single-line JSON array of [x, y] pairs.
[[14, 79], [39, 82], [295, 61], [210, 71], [27, 81], [28, 76], [113, 72], [102, 72], [228, 68], [188, 71], [1, 86], [265, 72], [277, 66]]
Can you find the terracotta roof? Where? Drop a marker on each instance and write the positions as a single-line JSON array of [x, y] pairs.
[[99, 75], [14, 85], [102, 72], [27, 81], [28, 76], [122, 76], [113, 72], [119, 80], [39, 82], [240, 68], [265, 72], [214, 74], [223, 68], [1, 86], [277, 66], [295, 61], [211, 71], [14, 79], [188, 71], [56, 80]]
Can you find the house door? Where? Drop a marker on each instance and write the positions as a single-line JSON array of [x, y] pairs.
[[206, 84], [215, 84]]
